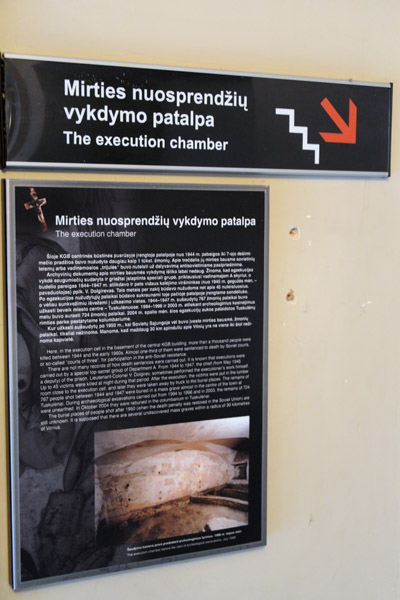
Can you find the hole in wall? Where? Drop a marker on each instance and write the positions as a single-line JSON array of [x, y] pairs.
[[294, 233], [290, 297]]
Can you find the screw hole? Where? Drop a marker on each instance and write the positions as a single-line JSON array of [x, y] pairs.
[[294, 233], [290, 296]]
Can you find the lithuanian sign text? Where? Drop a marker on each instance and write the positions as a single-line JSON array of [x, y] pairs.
[[120, 116]]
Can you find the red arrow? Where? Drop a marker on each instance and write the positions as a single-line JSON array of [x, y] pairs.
[[348, 131]]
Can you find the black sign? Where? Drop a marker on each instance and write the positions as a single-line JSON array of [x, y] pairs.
[[137, 348], [88, 115]]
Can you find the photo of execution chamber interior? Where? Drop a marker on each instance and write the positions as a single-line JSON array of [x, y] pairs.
[[166, 481]]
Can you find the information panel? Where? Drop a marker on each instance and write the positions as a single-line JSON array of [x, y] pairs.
[[137, 359], [89, 115]]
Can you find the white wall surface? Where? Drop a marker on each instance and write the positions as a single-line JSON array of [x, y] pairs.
[[334, 428]]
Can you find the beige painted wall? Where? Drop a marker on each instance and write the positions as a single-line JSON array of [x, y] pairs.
[[334, 428]]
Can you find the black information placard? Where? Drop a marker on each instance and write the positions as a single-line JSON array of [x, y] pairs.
[[137, 359], [87, 115]]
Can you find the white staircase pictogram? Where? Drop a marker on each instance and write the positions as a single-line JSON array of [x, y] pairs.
[[289, 112]]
